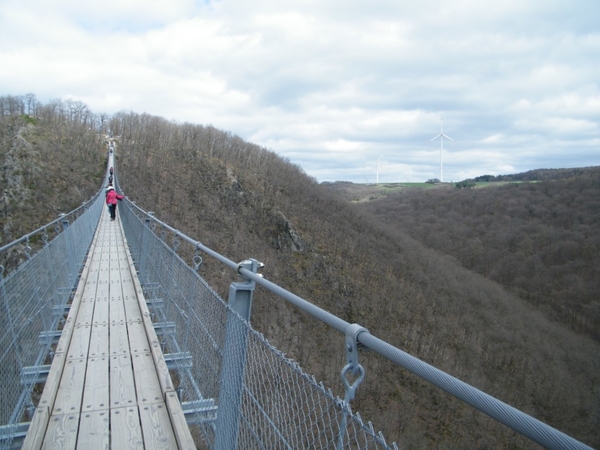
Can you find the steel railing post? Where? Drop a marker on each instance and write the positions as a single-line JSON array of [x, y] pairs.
[[234, 359]]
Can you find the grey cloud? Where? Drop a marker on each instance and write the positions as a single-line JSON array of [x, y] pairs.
[[332, 85]]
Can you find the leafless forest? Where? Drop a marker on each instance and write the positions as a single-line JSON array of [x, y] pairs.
[[52, 161], [539, 239], [446, 306]]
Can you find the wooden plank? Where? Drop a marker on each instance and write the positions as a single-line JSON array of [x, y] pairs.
[[162, 371], [180, 426], [146, 381], [41, 417], [115, 269], [138, 341], [70, 392], [85, 314], [101, 311], [80, 342], [88, 299], [115, 289], [122, 384], [103, 286], [70, 323], [93, 287], [101, 307], [53, 381], [94, 430], [161, 367], [117, 310], [132, 309], [126, 280], [118, 341], [136, 282], [37, 429], [99, 342], [96, 388], [156, 427], [126, 429], [65, 337], [101, 300], [62, 432]]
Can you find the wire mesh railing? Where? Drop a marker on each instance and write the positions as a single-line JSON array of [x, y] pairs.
[[34, 297], [277, 405]]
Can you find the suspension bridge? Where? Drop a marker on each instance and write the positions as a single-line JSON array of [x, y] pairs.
[[111, 340]]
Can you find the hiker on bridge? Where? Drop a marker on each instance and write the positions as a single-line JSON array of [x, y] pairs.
[[111, 201]]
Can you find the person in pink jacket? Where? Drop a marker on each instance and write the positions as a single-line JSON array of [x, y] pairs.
[[111, 201]]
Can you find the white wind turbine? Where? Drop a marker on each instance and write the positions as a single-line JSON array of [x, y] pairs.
[[377, 182], [441, 136]]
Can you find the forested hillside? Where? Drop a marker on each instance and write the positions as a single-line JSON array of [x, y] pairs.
[[52, 161], [245, 201], [541, 240]]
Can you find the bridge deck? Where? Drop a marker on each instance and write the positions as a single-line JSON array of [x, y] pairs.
[[108, 385]]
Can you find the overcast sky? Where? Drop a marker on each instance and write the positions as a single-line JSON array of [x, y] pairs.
[[332, 85]]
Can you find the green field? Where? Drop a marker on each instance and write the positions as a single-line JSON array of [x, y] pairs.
[[364, 192]]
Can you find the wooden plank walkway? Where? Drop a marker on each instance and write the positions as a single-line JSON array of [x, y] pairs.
[[108, 386]]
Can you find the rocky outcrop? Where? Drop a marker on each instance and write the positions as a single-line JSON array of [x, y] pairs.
[[286, 237], [234, 184]]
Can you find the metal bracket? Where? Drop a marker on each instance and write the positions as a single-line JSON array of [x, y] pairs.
[[252, 265], [27, 250], [352, 367], [197, 259]]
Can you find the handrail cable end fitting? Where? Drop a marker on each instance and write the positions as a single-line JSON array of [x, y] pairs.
[[252, 265]]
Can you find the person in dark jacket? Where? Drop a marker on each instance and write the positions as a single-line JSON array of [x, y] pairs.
[[111, 201]]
